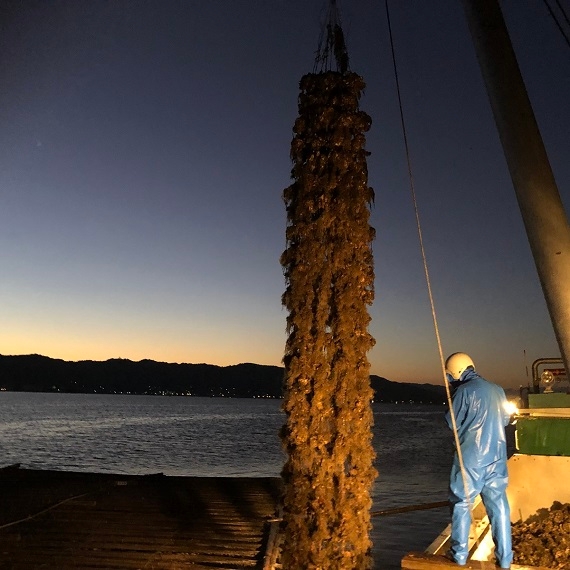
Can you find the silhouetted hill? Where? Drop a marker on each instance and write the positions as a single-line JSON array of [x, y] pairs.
[[388, 391], [35, 373]]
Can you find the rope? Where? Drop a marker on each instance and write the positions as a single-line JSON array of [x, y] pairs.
[[30, 517], [393, 511], [561, 8], [332, 46], [555, 18], [426, 271], [410, 508]]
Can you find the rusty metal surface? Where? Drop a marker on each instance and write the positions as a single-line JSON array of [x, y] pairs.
[[86, 520]]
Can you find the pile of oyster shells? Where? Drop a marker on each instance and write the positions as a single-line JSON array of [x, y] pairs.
[[544, 538]]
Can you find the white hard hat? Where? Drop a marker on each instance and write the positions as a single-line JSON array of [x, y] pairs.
[[457, 363]]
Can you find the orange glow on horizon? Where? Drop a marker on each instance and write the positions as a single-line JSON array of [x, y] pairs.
[[76, 349]]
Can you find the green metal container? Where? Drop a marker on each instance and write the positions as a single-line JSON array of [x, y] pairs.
[[543, 436], [544, 428], [552, 400]]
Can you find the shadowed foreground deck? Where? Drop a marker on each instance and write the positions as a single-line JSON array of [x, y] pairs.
[[88, 520]]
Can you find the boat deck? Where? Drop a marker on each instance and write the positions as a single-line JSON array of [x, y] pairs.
[[423, 561], [56, 519]]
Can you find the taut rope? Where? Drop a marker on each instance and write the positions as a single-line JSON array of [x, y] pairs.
[[425, 264]]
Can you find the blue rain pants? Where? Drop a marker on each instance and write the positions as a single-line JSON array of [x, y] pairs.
[[491, 482]]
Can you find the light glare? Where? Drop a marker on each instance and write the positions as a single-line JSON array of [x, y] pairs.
[[511, 408]]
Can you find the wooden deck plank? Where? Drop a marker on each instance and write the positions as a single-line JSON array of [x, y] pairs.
[[118, 522], [423, 561]]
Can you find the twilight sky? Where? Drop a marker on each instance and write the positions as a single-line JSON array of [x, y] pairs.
[[144, 148]]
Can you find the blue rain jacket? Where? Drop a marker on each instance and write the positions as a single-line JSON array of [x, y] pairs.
[[481, 417]]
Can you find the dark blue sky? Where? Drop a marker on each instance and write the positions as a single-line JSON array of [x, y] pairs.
[[145, 147]]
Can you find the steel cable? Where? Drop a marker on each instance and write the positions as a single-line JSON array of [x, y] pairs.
[[425, 265]]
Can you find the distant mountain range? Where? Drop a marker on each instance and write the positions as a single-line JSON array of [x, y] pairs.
[[35, 373]]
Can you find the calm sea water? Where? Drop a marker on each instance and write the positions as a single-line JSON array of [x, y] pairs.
[[228, 437]]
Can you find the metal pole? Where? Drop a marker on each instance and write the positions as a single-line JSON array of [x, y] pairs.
[[539, 201]]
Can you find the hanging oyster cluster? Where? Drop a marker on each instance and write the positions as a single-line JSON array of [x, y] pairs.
[[329, 273]]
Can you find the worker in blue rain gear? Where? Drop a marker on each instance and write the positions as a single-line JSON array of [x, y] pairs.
[[481, 415]]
